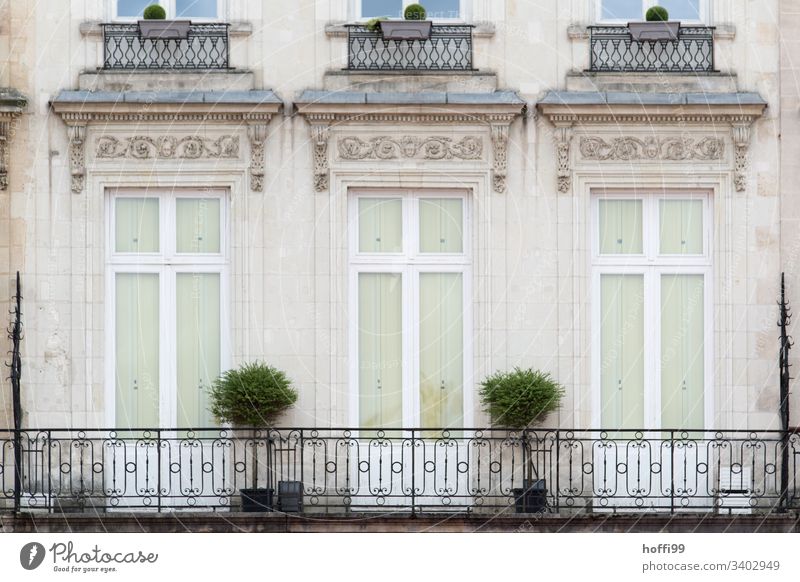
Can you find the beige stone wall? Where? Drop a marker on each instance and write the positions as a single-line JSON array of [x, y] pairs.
[[288, 279]]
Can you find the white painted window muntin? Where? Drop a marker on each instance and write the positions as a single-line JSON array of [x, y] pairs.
[[409, 264], [167, 264], [652, 266], [704, 8]]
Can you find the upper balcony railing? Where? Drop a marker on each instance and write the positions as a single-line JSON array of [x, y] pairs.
[[563, 471], [613, 49], [205, 47], [448, 49]]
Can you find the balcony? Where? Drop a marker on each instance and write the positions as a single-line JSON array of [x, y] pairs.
[[612, 49], [205, 48], [449, 48], [408, 471]]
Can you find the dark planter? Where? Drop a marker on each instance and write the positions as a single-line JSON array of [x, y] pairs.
[[164, 28], [650, 31], [406, 29], [532, 497], [290, 496], [257, 500]]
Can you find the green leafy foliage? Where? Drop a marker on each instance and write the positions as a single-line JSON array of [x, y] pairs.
[[516, 399], [252, 395], [415, 12], [154, 12], [656, 14], [374, 24]]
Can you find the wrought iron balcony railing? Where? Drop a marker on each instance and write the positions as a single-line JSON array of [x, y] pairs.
[[612, 49], [449, 48], [206, 47], [414, 470]]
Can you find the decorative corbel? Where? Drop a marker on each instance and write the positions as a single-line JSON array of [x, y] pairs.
[[320, 133], [563, 142], [257, 134], [77, 156], [500, 156], [4, 129], [741, 148]]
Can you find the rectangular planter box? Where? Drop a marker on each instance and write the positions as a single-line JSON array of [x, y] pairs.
[[257, 500], [406, 29], [164, 28], [290, 496], [531, 498], [650, 31]]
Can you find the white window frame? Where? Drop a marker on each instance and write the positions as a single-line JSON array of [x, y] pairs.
[[169, 6], [464, 11], [410, 263], [651, 264], [705, 13], [167, 264]]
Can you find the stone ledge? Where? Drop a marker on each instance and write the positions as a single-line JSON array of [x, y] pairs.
[[170, 80], [721, 31], [179, 522], [339, 30], [612, 82], [406, 82], [93, 29]]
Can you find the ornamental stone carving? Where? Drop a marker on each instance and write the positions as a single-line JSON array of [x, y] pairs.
[[563, 142], [4, 130], [410, 147], [320, 132], [741, 162], [629, 148], [500, 157], [257, 134], [77, 157], [190, 147]]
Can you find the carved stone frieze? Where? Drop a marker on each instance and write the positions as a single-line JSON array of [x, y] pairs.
[[411, 147], [631, 148], [741, 161], [191, 147], [563, 142], [4, 130], [320, 133]]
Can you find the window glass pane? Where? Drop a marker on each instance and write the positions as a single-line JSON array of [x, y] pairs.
[[136, 225], [681, 226], [196, 8], [380, 353], [132, 8], [621, 10], [682, 352], [682, 9], [442, 8], [137, 345], [198, 225], [198, 345], [622, 350], [440, 225], [620, 227], [441, 350], [380, 225], [372, 8]]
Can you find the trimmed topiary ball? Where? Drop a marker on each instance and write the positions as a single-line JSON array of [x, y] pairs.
[[252, 395], [415, 12], [518, 398], [154, 12], [657, 14]]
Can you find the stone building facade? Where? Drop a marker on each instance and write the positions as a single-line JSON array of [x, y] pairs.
[[552, 193]]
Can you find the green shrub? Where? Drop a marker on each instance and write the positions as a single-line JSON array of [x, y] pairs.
[[154, 12], [516, 399], [415, 12], [656, 14], [252, 395], [374, 24]]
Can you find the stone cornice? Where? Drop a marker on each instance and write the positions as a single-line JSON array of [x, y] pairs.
[[12, 105], [564, 114]]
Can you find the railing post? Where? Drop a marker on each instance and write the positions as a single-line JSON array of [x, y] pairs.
[[413, 475], [672, 471], [158, 460], [49, 465], [17, 469], [558, 470]]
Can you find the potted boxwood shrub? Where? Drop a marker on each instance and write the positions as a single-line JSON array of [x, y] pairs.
[[156, 25], [252, 397], [657, 26], [413, 27], [516, 400]]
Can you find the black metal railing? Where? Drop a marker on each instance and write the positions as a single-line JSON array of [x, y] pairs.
[[414, 470], [206, 47], [612, 49], [449, 48]]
